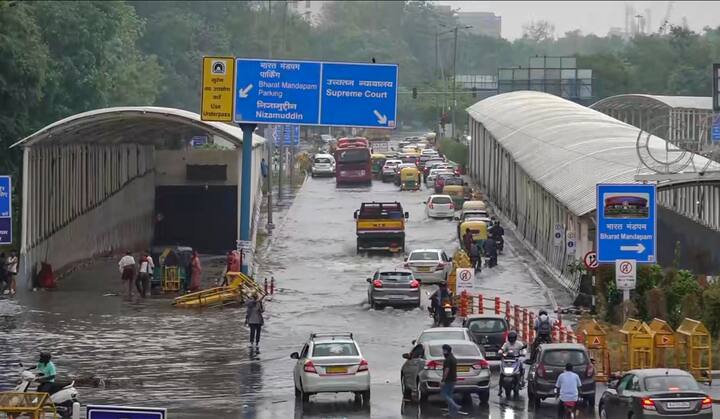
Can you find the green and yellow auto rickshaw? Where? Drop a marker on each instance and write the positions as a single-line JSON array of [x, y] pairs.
[[457, 193], [378, 160], [409, 179]]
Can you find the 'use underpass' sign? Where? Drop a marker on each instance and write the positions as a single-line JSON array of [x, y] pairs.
[[315, 93]]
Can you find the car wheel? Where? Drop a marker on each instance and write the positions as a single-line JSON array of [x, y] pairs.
[[420, 394], [372, 303], [366, 397], [303, 395], [406, 391], [297, 392], [602, 412], [484, 396]]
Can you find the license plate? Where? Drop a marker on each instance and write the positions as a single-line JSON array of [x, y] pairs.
[[490, 353], [424, 268], [396, 297], [336, 370], [678, 405], [461, 368]]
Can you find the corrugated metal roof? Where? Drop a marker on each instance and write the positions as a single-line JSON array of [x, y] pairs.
[[567, 148], [679, 102], [136, 124]]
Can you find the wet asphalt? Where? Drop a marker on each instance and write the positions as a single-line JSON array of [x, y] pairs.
[[198, 364]]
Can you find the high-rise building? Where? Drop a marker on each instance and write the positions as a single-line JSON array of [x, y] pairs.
[[310, 10], [483, 23]]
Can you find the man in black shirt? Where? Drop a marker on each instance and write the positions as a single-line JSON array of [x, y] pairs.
[[449, 379]]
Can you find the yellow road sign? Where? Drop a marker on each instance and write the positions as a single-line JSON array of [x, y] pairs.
[[217, 89]]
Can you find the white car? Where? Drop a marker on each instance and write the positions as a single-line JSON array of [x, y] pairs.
[[444, 333], [440, 168], [331, 363], [440, 206], [388, 169], [429, 265], [323, 165]]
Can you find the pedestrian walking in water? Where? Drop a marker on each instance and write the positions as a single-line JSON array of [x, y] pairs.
[[143, 279], [12, 270], [127, 272], [449, 378], [254, 318], [195, 272]]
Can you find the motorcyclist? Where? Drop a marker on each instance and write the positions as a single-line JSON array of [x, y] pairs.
[[497, 233], [47, 371], [543, 331], [438, 298], [490, 248], [567, 388], [516, 347]]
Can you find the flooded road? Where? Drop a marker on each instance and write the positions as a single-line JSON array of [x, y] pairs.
[[198, 364]]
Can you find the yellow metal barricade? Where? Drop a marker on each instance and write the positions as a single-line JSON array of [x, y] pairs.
[[171, 279], [663, 339], [595, 338], [638, 345], [30, 404], [239, 287], [693, 339]]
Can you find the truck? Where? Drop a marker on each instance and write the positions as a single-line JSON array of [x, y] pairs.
[[380, 226]]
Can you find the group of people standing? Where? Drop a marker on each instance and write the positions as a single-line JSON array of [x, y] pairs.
[[8, 273], [489, 248], [140, 273]]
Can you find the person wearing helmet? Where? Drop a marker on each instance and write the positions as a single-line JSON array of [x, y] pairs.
[[438, 298], [46, 370], [513, 345], [543, 331]]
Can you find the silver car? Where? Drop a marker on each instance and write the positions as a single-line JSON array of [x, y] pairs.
[[323, 165], [393, 287], [422, 371], [429, 265], [331, 363], [443, 334]]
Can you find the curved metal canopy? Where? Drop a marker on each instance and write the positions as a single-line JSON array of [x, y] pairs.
[[654, 101], [133, 124]]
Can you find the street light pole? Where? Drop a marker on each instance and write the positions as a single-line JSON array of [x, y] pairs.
[[454, 100]]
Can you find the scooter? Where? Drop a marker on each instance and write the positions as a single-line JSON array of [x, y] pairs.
[[63, 395], [511, 372]]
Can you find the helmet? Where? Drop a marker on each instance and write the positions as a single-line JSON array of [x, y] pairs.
[[45, 357], [512, 336]]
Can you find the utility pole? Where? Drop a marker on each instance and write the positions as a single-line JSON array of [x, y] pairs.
[[270, 164], [454, 100]]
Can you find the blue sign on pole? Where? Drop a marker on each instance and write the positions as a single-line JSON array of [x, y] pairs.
[[289, 134], [716, 129], [125, 412], [198, 141], [626, 222], [5, 210], [315, 93]]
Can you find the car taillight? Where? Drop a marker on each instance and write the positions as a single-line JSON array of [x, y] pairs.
[[541, 371], [707, 403], [481, 365], [433, 365], [589, 371], [648, 404], [363, 366], [377, 283], [309, 367], [414, 283], [440, 266], [430, 205]]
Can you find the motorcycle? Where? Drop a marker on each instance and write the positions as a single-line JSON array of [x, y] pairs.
[[511, 373], [443, 317], [63, 395], [500, 243]]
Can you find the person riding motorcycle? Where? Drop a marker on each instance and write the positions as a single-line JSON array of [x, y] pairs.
[[543, 332], [47, 368], [567, 389], [440, 297], [516, 347], [497, 233]]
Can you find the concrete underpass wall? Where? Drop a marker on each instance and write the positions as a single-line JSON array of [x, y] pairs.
[[84, 200]]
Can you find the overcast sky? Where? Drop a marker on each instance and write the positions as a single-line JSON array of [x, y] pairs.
[[590, 16]]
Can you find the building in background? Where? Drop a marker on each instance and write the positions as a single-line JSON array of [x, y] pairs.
[[310, 10], [483, 23], [555, 75]]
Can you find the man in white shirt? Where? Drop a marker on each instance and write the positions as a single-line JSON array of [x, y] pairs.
[[568, 386], [127, 272], [145, 272]]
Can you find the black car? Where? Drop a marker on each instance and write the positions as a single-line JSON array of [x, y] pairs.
[[489, 331], [653, 393], [550, 363]]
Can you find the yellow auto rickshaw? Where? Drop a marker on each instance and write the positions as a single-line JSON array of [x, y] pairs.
[[477, 228], [457, 194], [409, 179], [378, 160]]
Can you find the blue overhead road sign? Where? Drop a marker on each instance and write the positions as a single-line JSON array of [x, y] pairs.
[[5, 210], [626, 223], [315, 93], [286, 134]]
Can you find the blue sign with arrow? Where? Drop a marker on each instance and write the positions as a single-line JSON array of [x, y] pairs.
[[626, 222], [315, 93], [124, 412], [5, 210]]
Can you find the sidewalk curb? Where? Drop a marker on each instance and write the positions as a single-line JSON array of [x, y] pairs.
[[271, 240]]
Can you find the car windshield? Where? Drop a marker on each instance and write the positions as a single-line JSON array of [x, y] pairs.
[[486, 325], [453, 181], [441, 200], [563, 356], [396, 276], [335, 349], [424, 256], [670, 383], [354, 155], [322, 160], [443, 335], [457, 350]]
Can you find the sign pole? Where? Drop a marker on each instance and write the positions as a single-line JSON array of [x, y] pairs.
[[270, 224], [246, 188], [281, 151]]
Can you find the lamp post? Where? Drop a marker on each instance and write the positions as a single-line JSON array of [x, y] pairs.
[[454, 30]]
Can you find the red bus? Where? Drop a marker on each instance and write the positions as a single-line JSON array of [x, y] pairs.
[[352, 162]]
